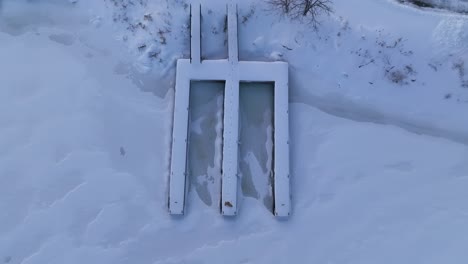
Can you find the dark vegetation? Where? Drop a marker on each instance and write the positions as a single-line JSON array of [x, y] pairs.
[[307, 11]]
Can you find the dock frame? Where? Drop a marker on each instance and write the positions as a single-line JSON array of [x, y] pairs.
[[232, 71]]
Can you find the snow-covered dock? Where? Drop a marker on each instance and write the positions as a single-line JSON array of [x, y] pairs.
[[232, 71]]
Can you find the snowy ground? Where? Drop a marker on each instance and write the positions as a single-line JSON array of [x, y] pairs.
[[379, 136]]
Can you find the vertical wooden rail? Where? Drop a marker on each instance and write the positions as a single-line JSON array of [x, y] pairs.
[[231, 122], [195, 34], [282, 198], [178, 169]]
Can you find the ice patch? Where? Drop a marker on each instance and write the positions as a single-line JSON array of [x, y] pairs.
[[205, 136]]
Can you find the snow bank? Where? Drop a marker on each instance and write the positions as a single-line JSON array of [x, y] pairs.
[[379, 170], [460, 6]]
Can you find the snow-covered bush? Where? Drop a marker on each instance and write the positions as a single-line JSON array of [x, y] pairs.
[[303, 10]]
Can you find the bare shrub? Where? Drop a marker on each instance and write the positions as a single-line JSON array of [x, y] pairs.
[[307, 11], [459, 66], [400, 75]]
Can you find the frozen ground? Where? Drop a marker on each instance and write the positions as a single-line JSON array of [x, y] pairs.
[[379, 136]]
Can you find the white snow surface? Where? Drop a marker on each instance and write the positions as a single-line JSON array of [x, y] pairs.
[[379, 135]]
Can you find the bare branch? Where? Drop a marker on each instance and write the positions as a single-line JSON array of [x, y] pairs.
[[307, 11]]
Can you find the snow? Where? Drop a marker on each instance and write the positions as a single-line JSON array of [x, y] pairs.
[[379, 165]]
